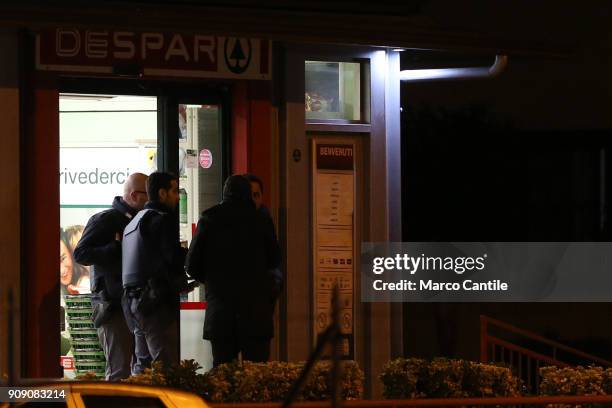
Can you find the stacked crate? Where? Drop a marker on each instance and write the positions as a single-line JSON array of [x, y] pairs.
[[88, 355]]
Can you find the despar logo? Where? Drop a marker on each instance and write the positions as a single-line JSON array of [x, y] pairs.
[[237, 53]]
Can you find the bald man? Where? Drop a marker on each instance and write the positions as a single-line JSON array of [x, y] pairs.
[[100, 247]]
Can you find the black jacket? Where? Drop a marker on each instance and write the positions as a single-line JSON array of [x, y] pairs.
[[99, 248], [165, 257], [233, 252]]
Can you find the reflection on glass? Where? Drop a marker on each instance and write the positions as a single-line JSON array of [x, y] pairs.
[[201, 169], [332, 90], [200, 163]]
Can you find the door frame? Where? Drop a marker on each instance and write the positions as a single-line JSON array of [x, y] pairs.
[[169, 94]]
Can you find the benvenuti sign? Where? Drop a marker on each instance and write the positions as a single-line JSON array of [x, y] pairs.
[[152, 54]]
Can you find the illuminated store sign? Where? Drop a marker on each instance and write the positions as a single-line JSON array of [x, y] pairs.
[[152, 54]]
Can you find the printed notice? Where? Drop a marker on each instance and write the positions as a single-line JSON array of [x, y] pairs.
[[334, 202], [335, 199]]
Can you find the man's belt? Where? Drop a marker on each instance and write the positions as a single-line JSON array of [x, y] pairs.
[[133, 291]]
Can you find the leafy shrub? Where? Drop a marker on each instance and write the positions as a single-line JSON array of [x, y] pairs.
[[262, 382], [445, 378], [577, 381], [253, 382]]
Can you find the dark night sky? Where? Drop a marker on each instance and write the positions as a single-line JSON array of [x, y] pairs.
[[515, 158], [523, 149]]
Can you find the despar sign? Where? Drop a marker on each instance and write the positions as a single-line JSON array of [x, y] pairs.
[[153, 53], [335, 157]]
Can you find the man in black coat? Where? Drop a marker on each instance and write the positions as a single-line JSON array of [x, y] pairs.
[[257, 191], [100, 247], [232, 253]]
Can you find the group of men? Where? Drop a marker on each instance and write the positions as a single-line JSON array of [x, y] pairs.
[[139, 268]]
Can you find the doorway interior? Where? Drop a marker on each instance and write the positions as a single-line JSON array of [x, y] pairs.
[[109, 130]]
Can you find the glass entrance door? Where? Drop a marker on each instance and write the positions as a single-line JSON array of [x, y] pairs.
[[202, 168], [105, 135], [103, 139], [201, 162]]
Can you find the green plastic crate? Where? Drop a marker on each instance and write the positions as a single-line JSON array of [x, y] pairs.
[[89, 355], [79, 313], [95, 366], [85, 345], [79, 323], [78, 301], [83, 334]]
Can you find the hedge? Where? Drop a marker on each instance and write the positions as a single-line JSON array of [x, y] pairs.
[[445, 378], [253, 382], [579, 380]]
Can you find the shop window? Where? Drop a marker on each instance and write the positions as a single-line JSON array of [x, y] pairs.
[[200, 163], [201, 172], [333, 91], [103, 139]]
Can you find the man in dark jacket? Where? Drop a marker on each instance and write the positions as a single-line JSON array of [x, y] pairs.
[[100, 247], [153, 272], [257, 192], [232, 252]]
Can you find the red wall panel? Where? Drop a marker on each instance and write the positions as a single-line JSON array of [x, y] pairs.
[[41, 290], [252, 131], [240, 120], [260, 135]]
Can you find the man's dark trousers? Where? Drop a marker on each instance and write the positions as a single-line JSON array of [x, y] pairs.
[[117, 342], [255, 349], [156, 334]]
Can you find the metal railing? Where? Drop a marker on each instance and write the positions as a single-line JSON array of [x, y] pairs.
[[526, 362]]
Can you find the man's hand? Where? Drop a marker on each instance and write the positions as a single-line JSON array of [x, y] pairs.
[[118, 236]]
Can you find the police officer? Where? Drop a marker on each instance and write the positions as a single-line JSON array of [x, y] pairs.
[[100, 247], [153, 273]]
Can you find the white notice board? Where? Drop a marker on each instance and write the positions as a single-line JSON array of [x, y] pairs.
[[333, 167]]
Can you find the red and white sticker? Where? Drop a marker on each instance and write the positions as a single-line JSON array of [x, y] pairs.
[[67, 362], [206, 159]]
